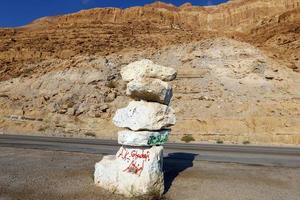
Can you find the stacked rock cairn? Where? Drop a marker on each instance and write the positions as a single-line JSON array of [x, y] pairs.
[[136, 169]]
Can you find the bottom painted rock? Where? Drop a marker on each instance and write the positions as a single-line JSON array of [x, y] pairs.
[[132, 172]]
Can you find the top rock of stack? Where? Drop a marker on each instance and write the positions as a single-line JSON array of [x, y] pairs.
[[147, 69]]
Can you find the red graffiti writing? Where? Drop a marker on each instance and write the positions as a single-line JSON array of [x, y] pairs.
[[136, 155], [135, 158], [124, 154], [135, 168]]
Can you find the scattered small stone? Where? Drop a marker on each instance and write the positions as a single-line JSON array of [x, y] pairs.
[[104, 107], [269, 77], [110, 97], [71, 111], [46, 98], [81, 109], [62, 111]]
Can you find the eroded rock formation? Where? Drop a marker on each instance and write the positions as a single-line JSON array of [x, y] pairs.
[[272, 25]]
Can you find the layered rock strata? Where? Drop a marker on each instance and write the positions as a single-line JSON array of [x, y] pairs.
[[136, 169], [272, 25]]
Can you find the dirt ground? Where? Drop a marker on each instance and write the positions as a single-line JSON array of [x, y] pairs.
[[34, 174]]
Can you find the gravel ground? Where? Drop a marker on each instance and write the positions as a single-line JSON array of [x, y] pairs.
[[34, 174]]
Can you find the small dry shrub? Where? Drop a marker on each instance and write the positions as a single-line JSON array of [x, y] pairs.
[[187, 138]]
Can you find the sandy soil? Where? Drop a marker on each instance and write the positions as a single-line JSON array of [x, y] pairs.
[[33, 174]]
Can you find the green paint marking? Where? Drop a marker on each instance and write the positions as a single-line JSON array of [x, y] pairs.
[[158, 139]]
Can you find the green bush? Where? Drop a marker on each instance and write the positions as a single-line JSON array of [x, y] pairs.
[[246, 142], [187, 138], [90, 134], [220, 142]]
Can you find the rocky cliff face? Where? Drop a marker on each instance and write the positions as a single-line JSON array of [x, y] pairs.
[[60, 75], [264, 23], [240, 15]]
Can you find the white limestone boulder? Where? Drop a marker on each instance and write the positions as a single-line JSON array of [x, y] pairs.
[[141, 115], [133, 172], [150, 90], [143, 138], [147, 69], [109, 178]]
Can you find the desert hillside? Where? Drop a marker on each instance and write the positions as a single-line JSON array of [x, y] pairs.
[[238, 70]]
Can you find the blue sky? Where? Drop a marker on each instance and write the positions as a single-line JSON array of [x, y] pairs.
[[20, 12]]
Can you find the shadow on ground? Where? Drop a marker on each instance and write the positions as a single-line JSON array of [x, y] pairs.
[[174, 164]]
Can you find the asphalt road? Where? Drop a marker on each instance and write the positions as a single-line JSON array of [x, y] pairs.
[[242, 154], [29, 174]]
